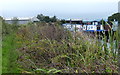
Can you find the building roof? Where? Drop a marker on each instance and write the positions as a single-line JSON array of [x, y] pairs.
[[74, 19], [34, 19], [23, 19], [19, 18]]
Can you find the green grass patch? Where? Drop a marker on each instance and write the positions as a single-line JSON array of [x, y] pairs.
[[9, 54]]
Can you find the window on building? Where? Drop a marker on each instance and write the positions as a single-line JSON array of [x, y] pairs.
[[98, 28]]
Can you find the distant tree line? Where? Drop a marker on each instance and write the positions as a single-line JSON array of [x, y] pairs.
[[115, 16], [43, 18]]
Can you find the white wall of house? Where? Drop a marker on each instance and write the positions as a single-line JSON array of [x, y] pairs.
[[72, 26], [115, 25], [79, 27], [91, 27], [84, 27], [67, 26], [101, 27]]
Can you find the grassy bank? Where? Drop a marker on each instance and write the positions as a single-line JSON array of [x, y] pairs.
[[9, 54]]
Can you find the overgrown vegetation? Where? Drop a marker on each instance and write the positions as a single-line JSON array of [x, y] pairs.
[[49, 48]]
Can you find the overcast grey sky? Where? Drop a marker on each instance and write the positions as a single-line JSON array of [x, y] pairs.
[[65, 9]]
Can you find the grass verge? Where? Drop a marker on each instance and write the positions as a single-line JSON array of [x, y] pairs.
[[9, 54], [0, 45]]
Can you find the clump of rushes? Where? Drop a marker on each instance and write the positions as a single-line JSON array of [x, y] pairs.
[[53, 49]]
